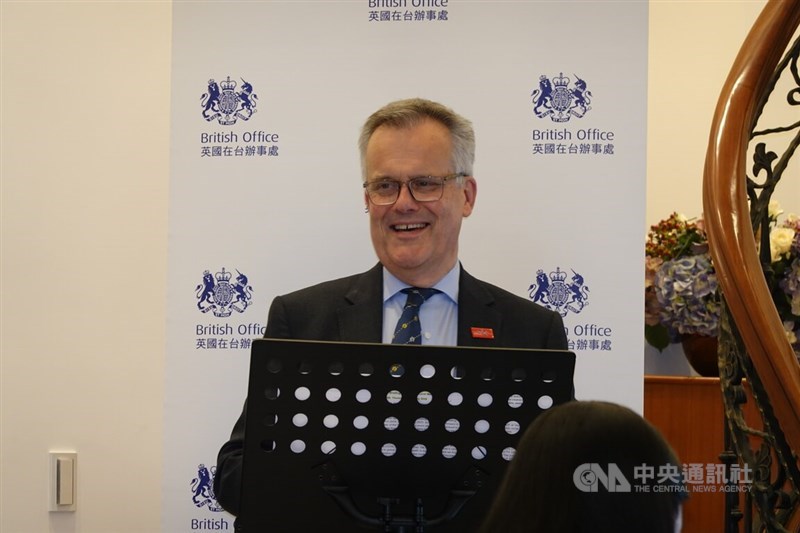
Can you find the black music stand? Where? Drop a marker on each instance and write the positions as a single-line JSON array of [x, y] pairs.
[[342, 436]]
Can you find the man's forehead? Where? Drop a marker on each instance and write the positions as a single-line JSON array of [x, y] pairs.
[[428, 134], [412, 124]]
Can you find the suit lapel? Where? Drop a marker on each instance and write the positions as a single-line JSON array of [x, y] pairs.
[[362, 319], [476, 310]]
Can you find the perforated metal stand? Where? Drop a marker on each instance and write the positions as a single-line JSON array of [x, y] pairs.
[[386, 437]]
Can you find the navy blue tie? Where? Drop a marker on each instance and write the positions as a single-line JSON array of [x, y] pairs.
[[408, 329]]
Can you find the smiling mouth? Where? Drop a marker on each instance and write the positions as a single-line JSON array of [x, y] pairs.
[[409, 227]]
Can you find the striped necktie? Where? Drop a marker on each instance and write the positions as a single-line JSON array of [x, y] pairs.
[[408, 329]]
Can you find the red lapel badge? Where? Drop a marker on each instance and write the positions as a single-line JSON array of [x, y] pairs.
[[482, 333]]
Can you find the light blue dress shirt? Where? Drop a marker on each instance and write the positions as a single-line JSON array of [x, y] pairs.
[[438, 316]]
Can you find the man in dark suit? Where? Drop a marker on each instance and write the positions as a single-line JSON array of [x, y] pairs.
[[416, 160]]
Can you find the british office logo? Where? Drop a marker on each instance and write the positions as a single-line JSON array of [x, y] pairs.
[[203, 489], [556, 293], [557, 100], [225, 104], [221, 296]]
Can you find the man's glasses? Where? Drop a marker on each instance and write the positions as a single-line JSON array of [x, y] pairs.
[[422, 189]]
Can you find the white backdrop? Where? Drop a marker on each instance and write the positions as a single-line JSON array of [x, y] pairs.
[[277, 197]]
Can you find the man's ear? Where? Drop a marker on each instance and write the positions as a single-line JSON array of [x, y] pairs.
[[470, 193]]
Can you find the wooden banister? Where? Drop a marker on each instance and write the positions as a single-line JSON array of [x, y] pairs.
[[730, 230]]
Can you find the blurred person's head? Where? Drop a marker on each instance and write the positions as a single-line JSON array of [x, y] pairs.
[[551, 485]]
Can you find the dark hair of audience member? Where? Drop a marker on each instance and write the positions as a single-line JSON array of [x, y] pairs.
[[539, 492]]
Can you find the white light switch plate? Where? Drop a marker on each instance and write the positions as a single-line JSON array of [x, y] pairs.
[[63, 481]]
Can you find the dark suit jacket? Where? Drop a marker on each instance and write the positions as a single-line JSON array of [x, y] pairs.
[[351, 309]]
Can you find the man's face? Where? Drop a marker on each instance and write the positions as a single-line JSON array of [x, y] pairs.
[[417, 241]]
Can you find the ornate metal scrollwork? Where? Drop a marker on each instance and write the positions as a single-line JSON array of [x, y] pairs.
[[773, 464], [775, 491]]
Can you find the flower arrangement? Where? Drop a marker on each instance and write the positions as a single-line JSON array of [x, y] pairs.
[[783, 274], [681, 296]]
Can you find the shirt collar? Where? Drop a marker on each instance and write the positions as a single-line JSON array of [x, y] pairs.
[[448, 284]]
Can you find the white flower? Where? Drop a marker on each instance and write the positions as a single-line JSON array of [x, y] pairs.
[[774, 209], [780, 242], [788, 328]]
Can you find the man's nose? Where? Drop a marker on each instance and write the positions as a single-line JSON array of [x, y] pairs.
[[405, 200]]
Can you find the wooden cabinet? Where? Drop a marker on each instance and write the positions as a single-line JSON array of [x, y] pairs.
[[689, 413]]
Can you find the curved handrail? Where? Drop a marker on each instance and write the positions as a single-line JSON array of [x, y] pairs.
[[728, 222]]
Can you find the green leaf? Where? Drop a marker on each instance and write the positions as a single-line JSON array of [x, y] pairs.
[[656, 336]]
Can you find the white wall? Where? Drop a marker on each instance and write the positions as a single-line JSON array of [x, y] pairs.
[[85, 168], [692, 48], [85, 171]]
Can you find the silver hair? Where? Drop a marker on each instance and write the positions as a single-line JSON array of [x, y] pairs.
[[409, 113]]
